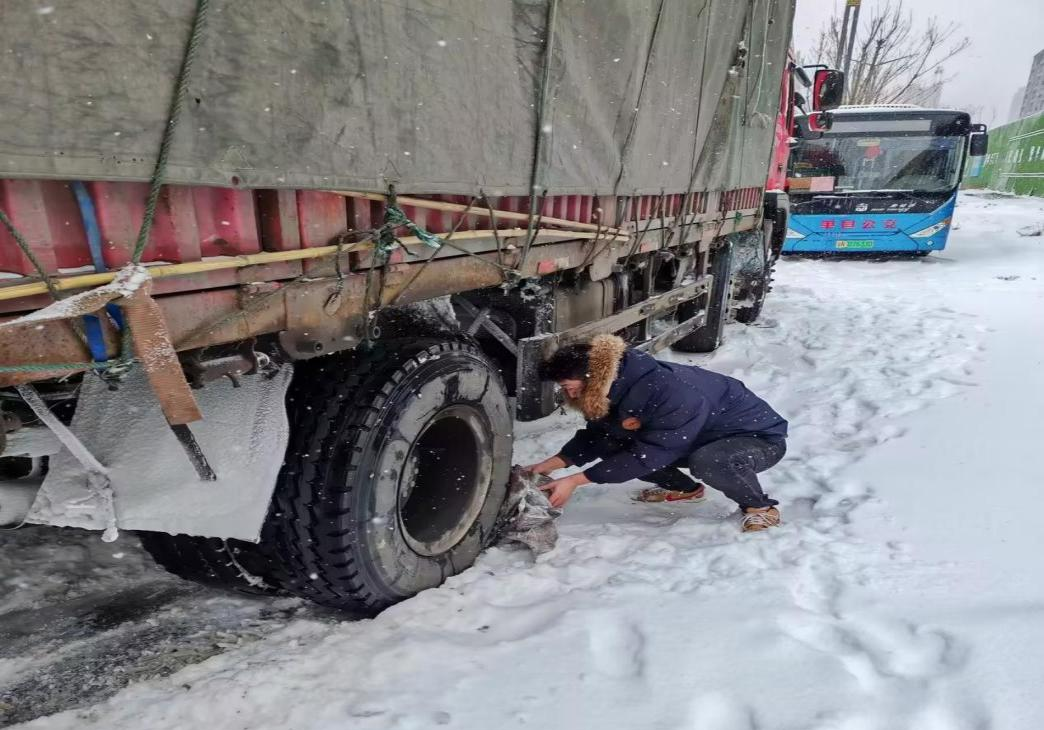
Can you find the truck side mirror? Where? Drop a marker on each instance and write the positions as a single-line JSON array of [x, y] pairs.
[[812, 126], [979, 144], [828, 88]]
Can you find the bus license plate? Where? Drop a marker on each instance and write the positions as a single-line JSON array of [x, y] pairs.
[[854, 244]]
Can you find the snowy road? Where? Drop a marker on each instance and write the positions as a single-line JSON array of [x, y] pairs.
[[905, 590]]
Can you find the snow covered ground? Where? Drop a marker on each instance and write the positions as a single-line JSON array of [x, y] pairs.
[[905, 590]]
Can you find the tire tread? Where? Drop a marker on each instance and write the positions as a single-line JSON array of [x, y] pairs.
[[297, 536]]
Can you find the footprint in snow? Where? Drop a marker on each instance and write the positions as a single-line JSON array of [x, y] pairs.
[[901, 649], [954, 715], [878, 653], [715, 711], [616, 645]]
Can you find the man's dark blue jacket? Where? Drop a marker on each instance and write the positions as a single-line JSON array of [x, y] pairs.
[[660, 412]]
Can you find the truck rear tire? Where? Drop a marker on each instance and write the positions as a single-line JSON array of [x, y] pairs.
[[752, 275], [708, 337], [397, 466]]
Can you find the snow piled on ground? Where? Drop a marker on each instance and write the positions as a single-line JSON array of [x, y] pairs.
[[903, 591]]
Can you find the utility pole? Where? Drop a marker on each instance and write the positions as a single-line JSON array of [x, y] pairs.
[[839, 55], [853, 6]]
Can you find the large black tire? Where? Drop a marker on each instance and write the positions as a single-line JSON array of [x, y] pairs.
[[230, 564], [397, 465], [708, 337], [753, 265]]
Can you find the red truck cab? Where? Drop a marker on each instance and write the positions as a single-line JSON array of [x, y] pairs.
[[826, 86]]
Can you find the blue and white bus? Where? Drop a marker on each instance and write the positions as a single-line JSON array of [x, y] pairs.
[[879, 179]]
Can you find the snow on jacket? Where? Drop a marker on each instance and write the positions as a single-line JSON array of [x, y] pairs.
[[660, 411]]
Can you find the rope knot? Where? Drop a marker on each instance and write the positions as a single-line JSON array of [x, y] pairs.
[[394, 217]]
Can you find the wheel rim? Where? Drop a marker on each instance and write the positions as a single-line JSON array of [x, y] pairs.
[[446, 479]]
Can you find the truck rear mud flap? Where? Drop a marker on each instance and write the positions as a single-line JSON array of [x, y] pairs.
[[244, 433]]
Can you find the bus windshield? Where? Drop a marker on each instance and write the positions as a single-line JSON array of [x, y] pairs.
[[915, 163]]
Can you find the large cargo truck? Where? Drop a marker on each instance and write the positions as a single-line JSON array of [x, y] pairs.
[[277, 277]]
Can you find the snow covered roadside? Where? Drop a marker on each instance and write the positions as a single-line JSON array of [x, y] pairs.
[[904, 590]]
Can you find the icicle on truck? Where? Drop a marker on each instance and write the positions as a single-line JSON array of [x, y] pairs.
[[276, 277]]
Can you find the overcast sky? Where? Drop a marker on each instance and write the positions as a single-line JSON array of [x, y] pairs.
[[1005, 34]]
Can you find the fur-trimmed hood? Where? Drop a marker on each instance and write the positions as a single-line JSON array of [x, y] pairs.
[[607, 352]]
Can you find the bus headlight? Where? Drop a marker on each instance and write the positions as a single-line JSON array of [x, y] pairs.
[[791, 233], [931, 230]]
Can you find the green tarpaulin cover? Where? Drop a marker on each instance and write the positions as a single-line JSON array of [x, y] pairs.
[[436, 96]]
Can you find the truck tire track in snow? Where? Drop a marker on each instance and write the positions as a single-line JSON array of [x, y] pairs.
[[91, 617], [86, 650]]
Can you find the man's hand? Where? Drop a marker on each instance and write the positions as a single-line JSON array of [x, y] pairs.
[[547, 465], [562, 489]]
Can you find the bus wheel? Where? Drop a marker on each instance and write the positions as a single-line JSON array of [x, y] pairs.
[[708, 337], [398, 463]]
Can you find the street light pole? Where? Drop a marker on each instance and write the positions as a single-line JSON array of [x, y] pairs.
[[854, 5]]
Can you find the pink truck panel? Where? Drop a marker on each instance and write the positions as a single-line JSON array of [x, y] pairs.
[[191, 223], [194, 223]]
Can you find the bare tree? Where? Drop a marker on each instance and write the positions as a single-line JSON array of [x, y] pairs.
[[893, 60]]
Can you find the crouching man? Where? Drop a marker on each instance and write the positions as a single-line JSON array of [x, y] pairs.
[[647, 418]]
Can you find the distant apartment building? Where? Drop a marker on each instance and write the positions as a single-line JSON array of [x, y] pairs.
[[1033, 102], [1015, 110]]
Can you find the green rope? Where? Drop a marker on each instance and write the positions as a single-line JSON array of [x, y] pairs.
[[176, 102], [109, 370], [24, 246], [394, 218], [71, 366], [51, 287], [535, 170], [112, 368]]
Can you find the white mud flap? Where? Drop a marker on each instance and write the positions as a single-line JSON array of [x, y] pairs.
[[243, 434]]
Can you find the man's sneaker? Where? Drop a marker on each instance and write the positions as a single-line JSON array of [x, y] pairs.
[[659, 494], [760, 519]]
